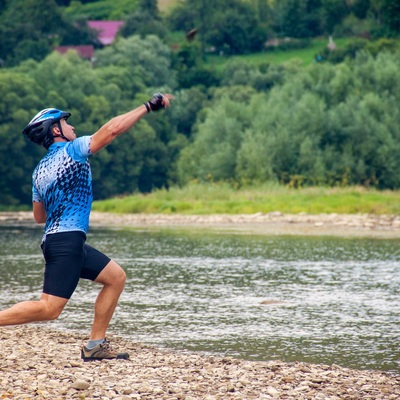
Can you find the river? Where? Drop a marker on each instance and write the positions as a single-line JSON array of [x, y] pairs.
[[327, 300]]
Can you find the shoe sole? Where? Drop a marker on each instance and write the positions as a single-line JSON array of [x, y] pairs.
[[119, 357]]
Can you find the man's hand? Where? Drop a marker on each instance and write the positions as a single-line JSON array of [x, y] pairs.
[[158, 101]]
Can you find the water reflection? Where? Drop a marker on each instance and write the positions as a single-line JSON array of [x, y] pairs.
[[202, 291]]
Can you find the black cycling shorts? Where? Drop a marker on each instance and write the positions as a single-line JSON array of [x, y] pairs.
[[68, 258]]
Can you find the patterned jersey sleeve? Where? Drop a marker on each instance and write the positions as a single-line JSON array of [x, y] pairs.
[[79, 149], [35, 194]]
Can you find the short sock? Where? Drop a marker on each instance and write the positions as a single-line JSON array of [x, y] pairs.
[[91, 344]]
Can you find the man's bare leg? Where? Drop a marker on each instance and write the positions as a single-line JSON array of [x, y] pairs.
[[47, 308], [113, 278]]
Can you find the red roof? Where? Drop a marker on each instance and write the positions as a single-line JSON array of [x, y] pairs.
[[107, 30], [86, 51]]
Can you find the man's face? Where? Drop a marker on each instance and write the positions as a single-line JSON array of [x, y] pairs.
[[68, 130]]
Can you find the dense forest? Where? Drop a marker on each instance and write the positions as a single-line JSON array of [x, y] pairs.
[[332, 122]]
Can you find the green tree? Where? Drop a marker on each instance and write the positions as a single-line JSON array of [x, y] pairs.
[[31, 29], [298, 18], [291, 18], [139, 162], [322, 125], [191, 69], [146, 20], [360, 8], [333, 12], [19, 94], [188, 103], [149, 59], [236, 30], [391, 16], [231, 26], [212, 155]]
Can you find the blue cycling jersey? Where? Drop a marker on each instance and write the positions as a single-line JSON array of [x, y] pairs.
[[63, 182]]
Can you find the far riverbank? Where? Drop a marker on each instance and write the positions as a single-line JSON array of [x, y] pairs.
[[274, 223]]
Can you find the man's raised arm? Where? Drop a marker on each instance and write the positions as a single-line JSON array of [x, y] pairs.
[[122, 123]]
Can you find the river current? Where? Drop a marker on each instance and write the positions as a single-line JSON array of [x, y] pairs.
[[323, 300]]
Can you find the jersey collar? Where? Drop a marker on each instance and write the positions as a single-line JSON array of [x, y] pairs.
[[57, 145]]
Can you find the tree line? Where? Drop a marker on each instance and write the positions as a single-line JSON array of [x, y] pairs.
[[332, 123], [325, 125], [32, 28]]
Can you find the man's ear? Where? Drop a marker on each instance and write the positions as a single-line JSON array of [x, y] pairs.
[[55, 130]]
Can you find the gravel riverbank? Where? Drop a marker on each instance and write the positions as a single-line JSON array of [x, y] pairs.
[[274, 223], [39, 363]]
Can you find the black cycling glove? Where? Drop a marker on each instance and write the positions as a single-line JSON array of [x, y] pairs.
[[155, 103]]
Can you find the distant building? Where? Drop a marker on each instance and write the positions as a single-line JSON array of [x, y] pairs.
[[107, 30], [86, 51]]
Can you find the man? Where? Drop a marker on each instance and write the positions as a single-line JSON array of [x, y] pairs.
[[62, 198]]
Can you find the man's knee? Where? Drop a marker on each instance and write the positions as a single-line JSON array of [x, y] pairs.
[[53, 313], [120, 277], [52, 306], [112, 275]]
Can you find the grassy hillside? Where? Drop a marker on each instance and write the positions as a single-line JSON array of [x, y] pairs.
[[305, 56]]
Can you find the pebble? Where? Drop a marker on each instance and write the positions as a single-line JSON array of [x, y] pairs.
[[80, 385], [28, 370]]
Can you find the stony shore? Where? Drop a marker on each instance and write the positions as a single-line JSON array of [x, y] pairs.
[[274, 223], [39, 363]]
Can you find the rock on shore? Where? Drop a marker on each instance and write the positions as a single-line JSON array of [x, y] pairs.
[[39, 363]]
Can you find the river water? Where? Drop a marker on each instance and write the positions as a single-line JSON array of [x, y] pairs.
[[329, 300]]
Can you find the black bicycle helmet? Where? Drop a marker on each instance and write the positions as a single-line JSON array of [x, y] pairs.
[[37, 131]]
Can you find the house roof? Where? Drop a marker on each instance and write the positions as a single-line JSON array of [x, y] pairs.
[[85, 51], [107, 30]]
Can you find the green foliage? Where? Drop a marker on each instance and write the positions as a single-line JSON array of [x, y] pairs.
[[144, 21], [333, 12], [390, 13], [212, 155], [140, 161], [31, 29], [244, 120], [186, 107], [18, 95], [145, 59], [323, 125], [354, 46], [190, 67], [291, 19], [230, 26], [289, 44], [261, 77], [102, 9], [136, 162], [236, 30]]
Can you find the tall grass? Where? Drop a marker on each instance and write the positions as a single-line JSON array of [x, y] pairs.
[[222, 199]]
